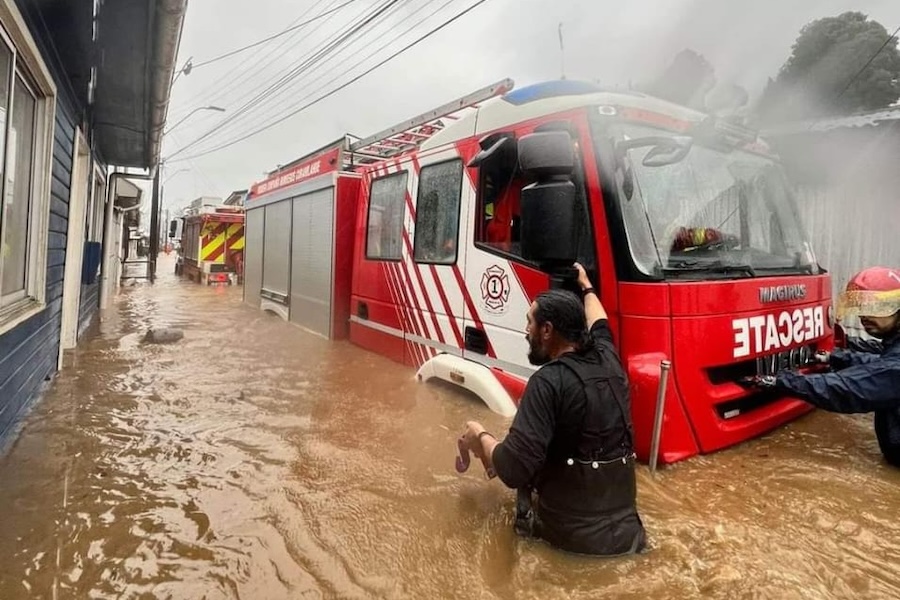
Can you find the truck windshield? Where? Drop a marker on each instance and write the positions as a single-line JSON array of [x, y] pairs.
[[718, 212]]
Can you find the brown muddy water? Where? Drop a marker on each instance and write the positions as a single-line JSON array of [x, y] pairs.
[[252, 460]]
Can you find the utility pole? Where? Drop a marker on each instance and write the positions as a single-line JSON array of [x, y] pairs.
[[562, 52], [154, 226], [156, 207]]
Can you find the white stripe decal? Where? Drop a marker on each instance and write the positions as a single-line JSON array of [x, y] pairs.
[[404, 311], [385, 268], [394, 280], [419, 287], [414, 332], [414, 269], [524, 372], [397, 333], [414, 301], [412, 324], [409, 267], [406, 288]]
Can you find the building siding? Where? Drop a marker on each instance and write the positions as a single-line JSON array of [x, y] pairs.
[[848, 192], [29, 352]]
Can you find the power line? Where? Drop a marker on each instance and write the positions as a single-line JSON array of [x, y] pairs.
[[342, 86], [309, 63], [241, 86], [272, 37], [279, 107], [293, 74], [261, 96], [195, 168], [236, 77]]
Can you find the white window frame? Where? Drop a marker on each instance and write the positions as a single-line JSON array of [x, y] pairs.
[[29, 65], [372, 211], [98, 202]]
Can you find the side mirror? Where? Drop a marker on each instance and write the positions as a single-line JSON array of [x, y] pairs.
[[666, 150], [547, 154], [498, 147], [173, 228], [548, 205]]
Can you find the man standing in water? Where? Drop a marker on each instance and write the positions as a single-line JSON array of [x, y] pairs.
[[866, 378], [571, 439]]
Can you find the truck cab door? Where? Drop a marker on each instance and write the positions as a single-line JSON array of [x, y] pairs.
[[503, 279], [438, 256]]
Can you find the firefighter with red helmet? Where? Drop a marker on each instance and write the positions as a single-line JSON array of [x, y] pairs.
[[865, 377]]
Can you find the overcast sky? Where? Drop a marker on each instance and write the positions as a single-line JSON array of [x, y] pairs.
[[611, 41]]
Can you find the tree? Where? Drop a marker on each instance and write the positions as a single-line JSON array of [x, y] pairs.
[[838, 65]]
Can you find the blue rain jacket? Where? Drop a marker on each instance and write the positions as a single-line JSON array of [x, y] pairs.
[[865, 378]]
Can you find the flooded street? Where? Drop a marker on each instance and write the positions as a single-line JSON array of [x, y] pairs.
[[252, 460]]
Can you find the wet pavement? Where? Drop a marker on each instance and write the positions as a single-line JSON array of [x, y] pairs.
[[252, 460]]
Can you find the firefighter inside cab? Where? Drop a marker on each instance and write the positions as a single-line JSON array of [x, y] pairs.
[[865, 377], [571, 439]]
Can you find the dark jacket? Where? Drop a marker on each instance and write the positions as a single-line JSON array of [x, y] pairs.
[[865, 379], [571, 441]]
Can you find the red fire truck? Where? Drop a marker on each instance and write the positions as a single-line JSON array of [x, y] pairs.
[[212, 244], [427, 243]]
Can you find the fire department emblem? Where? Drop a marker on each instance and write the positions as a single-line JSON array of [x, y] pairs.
[[495, 288]]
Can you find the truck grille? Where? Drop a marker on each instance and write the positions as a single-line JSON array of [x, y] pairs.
[[794, 358]]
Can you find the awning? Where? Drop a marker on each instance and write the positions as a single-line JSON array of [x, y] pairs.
[[137, 43], [126, 70]]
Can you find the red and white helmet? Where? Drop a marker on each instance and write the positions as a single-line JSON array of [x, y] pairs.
[[873, 292]]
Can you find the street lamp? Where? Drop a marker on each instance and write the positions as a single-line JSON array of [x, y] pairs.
[[196, 110], [174, 174]]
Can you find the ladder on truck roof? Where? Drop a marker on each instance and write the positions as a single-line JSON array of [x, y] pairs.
[[410, 134]]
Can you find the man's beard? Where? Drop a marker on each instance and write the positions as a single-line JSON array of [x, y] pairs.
[[536, 355]]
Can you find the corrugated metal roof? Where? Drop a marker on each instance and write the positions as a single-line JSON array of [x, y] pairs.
[[869, 119]]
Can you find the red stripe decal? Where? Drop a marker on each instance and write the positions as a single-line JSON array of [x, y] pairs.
[[395, 296], [437, 281], [411, 304], [459, 338], [411, 252], [531, 281], [434, 319], [423, 328], [216, 253], [456, 273], [220, 229], [409, 321], [390, 285], [234, 238], [466, 154], [410, 291], [472, 311], [410, 207]]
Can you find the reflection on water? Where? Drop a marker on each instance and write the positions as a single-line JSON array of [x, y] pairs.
[[252, 460]]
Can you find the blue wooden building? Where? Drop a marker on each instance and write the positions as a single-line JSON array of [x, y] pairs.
[[84, 86]]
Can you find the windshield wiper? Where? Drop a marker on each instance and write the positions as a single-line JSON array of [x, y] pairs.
[[715, 266], [794, 269]]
